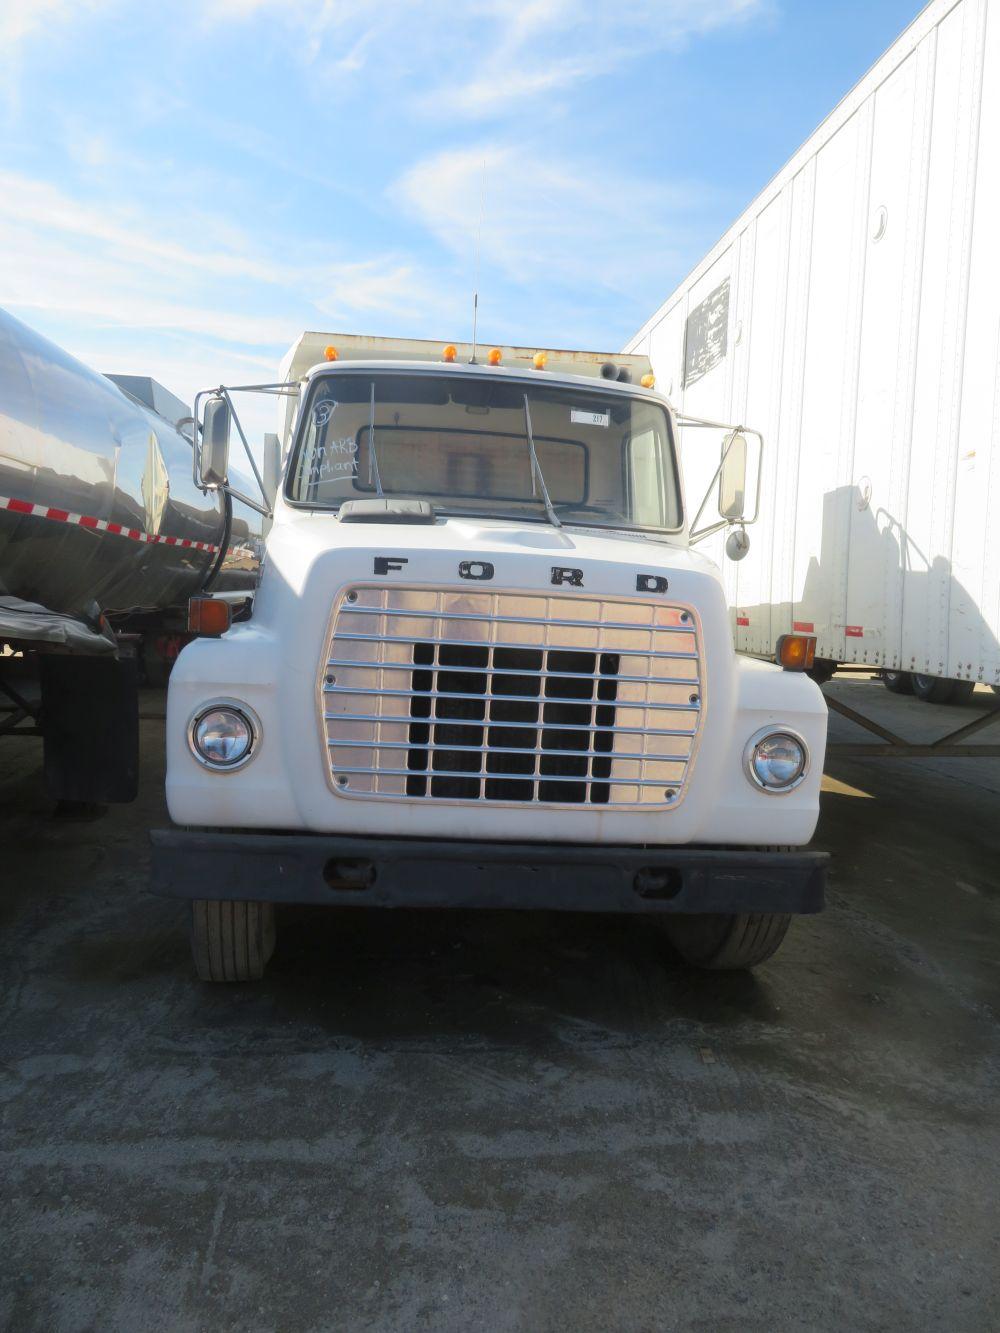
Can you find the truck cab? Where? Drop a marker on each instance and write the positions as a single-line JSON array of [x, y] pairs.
[[485, 667]]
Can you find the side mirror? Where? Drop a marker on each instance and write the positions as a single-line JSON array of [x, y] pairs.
[[737, 543], [733, 477], [272, 467], [215, 442]]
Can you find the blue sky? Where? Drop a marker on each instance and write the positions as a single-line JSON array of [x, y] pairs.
[[186, 187]]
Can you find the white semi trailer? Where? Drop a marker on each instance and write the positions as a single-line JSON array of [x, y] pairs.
[[484, 667], [852, 313]]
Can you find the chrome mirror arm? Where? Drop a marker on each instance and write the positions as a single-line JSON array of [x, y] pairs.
[[284, 389], [695, 533]]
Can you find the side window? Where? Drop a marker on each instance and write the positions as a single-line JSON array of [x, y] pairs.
[[645, 480]]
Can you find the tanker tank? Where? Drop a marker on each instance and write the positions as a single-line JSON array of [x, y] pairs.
[[99, 513]]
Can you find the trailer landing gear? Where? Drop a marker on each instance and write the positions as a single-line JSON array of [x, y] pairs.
[[950, 746]]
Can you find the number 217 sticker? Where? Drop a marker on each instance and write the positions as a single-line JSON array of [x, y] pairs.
[[590, 418]]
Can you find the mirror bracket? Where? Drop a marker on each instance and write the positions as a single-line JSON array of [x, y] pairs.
[[697, 534], [284, 389]]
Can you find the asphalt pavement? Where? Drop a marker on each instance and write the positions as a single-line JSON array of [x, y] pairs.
[[508, 1121]]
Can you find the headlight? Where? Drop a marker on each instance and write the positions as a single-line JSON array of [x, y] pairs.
[[776, 761], [224, 736]]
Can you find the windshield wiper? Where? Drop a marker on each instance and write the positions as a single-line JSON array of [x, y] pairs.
[[372, 456], [536, 469]]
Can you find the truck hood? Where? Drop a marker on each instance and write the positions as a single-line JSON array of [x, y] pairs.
[[297, 544]]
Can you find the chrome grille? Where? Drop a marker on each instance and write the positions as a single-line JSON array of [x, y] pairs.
[[510, 697]]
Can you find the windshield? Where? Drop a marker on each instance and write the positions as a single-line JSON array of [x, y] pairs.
[[461, 442]]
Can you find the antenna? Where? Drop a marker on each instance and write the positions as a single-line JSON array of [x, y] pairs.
[[479, 251]]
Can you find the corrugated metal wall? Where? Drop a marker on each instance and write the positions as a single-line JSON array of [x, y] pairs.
[[862, 337]]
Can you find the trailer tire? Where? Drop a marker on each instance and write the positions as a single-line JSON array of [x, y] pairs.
[[822, 670], [899, 682], [941, 690], [231, 941]]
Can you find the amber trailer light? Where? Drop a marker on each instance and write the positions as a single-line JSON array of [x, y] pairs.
[[796, 652], [208, 617]]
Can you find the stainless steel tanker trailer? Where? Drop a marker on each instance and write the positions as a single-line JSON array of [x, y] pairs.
[[104, 536]]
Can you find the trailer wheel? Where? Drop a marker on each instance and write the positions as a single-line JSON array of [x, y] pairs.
[[932, 689], [231, 941], [822, 670], [727, 943], [899, 682], [941, 690]]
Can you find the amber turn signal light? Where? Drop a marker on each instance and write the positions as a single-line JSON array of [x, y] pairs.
[[795, 652], [208, 617]]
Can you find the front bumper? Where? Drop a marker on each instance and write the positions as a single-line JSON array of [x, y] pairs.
[[413, 872]]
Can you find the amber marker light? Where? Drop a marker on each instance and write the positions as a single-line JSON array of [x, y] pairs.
[[449, 353], [330, 353], [495, 356], [540, 360], [648, 381], [208, 617], [796, 652]]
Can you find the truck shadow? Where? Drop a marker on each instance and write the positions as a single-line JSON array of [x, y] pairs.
[[489, 978]]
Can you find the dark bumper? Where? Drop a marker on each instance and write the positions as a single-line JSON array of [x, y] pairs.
[[413, 872]]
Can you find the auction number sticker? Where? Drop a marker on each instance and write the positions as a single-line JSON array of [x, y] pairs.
[[582, 418]]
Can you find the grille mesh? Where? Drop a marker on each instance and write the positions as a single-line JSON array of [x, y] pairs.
[[510, 697]]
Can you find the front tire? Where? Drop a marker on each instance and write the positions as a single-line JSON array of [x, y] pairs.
[[231, 941], [727, 943]]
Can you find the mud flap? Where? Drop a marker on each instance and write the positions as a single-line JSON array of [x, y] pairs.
[[90, 724]]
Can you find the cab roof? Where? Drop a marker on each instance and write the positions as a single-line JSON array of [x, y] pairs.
[[521, 373], [309, 351]]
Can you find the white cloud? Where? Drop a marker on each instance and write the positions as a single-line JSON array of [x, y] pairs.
[[550, 45], [22, 21], [379, 287], [577, 224], [92, 261], [484, 57], [111, 223]]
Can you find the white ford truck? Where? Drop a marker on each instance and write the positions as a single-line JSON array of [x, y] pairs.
[[484, 667]]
